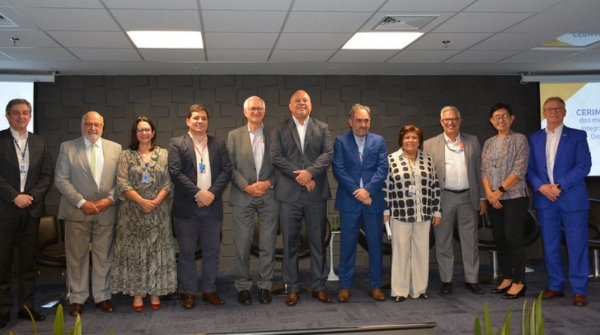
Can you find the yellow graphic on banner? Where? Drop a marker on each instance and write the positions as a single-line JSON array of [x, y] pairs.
[[563, 90]]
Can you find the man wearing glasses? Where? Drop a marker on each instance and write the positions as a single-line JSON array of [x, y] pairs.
[[457, 159], [86, 176], [559, 161], [252, 194]]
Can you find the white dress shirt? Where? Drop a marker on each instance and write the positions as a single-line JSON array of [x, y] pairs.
[[22, 149], [202, 157], [457, 178], [552, 139]]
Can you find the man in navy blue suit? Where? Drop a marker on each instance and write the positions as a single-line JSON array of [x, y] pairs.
[[360, 166], [559, 161]]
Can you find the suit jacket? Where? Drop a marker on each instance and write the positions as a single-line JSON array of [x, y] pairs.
[[287, 156], [75, 182], [243, 169], [436, 148], [183, 171], [39, 175], [348, 169], [571, 165]]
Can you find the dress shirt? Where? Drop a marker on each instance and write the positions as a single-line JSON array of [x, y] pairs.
[[257, 140], [99, 164], [20, 142], [202, 156], [552, 139], [301, 130], [456, 165]]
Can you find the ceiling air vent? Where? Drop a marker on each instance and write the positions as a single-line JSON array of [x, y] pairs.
[[5, 22], [404, 22]]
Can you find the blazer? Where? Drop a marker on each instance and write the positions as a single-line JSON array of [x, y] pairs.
[[571, 165], [39, 175], [436, 148], [243, 169], [287, 156], [75, 182], [348, 169], [183, 171]]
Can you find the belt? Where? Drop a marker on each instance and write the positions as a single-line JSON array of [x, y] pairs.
[[456, 191]]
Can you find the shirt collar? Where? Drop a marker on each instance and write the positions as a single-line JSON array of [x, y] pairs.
[[298, 122], [358, 139], [16, 135], [259, 130], [557, 130], [88, 143], [448, 140]]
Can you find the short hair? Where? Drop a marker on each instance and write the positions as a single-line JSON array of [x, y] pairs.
[[254, 97], [357, 107], [407, 129], [17, 102], [498, 106], [559, 99], [449, 108], [197, 108], [134, 143]]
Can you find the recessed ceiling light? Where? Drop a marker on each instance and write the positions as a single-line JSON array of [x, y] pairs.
[[166, 39], [381, 40]]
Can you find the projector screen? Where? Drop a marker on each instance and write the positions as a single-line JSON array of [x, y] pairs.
[[583, 112], [15, 90]]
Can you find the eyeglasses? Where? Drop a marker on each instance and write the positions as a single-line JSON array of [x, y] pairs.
[[554, 110], [451, 119], [501, 117], [92, 124], [256, 109], [144, 130]]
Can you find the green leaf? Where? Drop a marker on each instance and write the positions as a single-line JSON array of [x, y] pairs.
[[59, 321], [488, 321], [35, 332], [477, 326]]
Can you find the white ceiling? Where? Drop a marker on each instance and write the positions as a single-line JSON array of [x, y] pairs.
[[487, 37]]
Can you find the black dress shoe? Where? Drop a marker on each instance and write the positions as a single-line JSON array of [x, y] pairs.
[[521, 293], [474, 287], [399, 298], [446, 288], [23, 315], [264, 296], [244, 297], [4, 318], [500, 290], [423, 296]]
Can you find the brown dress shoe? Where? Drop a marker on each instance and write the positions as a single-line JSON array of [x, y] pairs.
[[213, 298], [580, 300], [344, 295], [322, 296], [376, 294], [550, 294], [189, 301], [292, 298], [106, 306], [75, 309]]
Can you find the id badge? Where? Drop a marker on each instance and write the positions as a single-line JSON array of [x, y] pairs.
[[202, 168], [145, 177], [23, 168], [412, 190]]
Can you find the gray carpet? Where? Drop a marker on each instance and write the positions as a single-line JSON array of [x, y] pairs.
[[454, 313]]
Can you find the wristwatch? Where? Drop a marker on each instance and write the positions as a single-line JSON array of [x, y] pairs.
[[501, 189], [559, 187]]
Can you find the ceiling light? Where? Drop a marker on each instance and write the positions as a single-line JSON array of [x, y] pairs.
[[381, 40], [166, 39]]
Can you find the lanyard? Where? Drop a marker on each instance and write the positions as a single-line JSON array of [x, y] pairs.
[[201, 149], [21, 152]]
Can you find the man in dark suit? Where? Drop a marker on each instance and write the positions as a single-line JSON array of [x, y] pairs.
[[301, 151], [457, 159], [199, 168], [25, 177], [360, 165], [86, 177], [252, 181], [559, 161]]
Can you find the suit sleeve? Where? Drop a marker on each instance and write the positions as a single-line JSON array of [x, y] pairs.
[[62, 178], [237, 178], [583, 163], [218, 185], [339, 168], [532, 169], [179, 179], [44, 182], [374, 184], [320, 164], [389, 188]]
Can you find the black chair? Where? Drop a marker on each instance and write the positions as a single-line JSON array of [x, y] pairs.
[[278, 287], [48, 256], [594, 238]]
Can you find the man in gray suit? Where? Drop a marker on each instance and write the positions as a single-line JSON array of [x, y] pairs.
[[301, 151], [252, 181], [86, 173], [457, 159]]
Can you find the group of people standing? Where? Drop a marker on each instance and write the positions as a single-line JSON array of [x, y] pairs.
[[279, 176]]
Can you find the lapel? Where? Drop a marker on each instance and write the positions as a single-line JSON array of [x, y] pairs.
[[468, 149], [564, 137], [441, 145], [9, 144], [368, 144], [247, 143], [188, 148], [82, 153], [294, 131], [353, 147]]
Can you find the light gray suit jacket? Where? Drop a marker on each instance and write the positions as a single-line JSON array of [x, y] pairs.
[[243, 166], [436, 148], [73, 179]]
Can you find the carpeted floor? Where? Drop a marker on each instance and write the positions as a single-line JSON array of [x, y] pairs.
[[454, 313]]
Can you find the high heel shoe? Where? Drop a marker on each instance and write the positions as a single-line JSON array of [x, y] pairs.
[[521, 293], [138, 308], [500, 290], [155, 306]]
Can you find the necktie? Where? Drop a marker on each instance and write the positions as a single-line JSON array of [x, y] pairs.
[[93, 160]]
